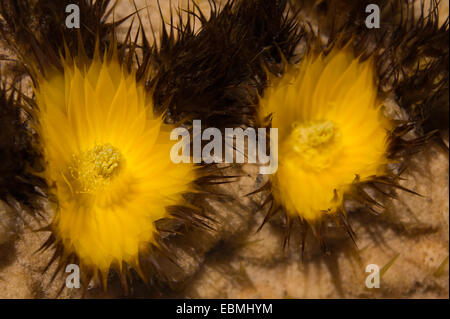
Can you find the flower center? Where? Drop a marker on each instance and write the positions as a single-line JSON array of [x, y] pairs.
[[94, 169], [316, 143]]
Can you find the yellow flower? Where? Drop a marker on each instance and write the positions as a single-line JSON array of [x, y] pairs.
[[331, 131], [108, 163]]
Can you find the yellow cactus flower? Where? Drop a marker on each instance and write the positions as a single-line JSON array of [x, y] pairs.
[[331, 131], [108, 163]]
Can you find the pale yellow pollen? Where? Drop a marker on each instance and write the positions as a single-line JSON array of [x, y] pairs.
[[316, 143], [94, 169]]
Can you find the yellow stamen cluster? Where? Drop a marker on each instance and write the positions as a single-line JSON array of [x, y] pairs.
[[95, 168], [314, 143]]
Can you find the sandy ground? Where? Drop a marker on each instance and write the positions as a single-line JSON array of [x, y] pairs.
[[409, 242]]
